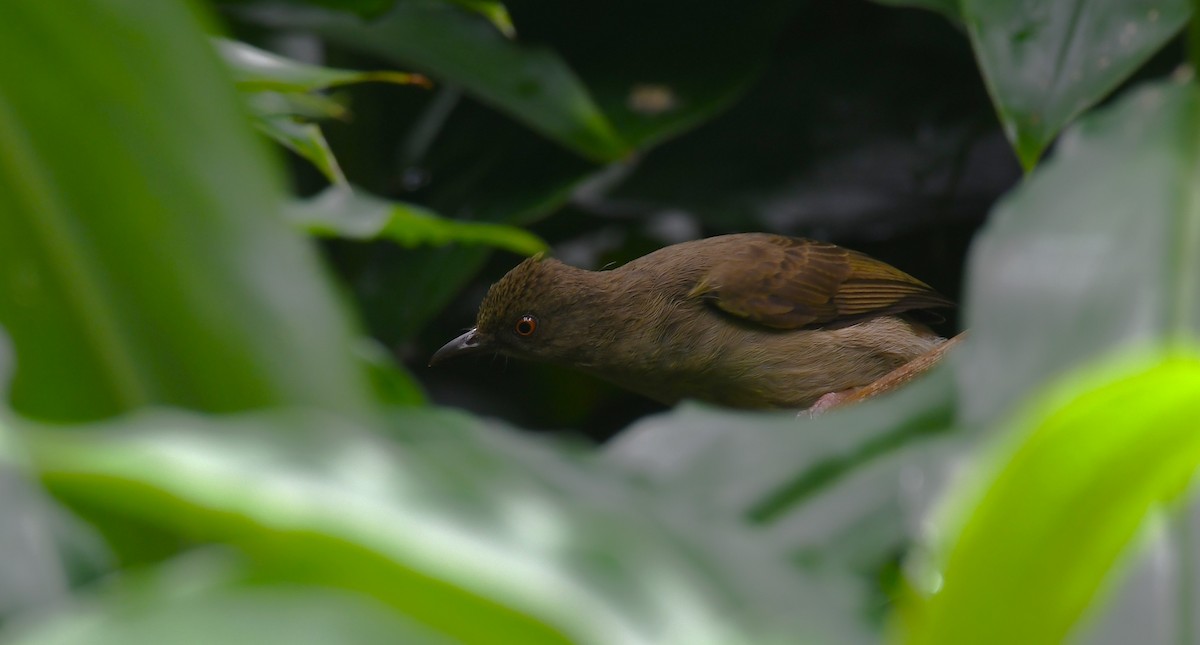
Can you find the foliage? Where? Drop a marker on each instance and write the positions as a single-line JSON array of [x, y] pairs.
[[198, 443]]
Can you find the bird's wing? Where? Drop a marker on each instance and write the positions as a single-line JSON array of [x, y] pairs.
[[790, 283]]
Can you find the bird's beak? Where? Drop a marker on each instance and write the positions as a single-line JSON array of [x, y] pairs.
[[468, 343]]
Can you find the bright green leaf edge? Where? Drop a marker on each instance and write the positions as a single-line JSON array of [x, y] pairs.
[[1063, 498], [495, 12], [306, 140], [354, 214], [255, 69]]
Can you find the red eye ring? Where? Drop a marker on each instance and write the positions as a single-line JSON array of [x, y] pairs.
[[526, 325]]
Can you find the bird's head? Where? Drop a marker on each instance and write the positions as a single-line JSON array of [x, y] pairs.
[[530, 313]]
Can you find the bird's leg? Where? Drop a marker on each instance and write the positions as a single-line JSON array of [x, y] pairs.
[[890, 381]]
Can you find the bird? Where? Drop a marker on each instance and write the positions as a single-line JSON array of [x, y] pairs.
[[745, 320]]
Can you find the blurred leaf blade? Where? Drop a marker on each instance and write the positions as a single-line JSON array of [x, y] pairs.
[[841, 494], [255, 69], [1045, 63], [699, 449], [278, 88], [449, 520], [1082, 473], [1096, 251], [210, 597], [495, 12], [94, 330], [532, 85], [353, 214], [306, 140]]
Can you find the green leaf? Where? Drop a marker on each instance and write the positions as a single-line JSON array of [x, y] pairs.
[[495, 12], [1078, 479], [278, 88], [471, 531], [267, 105], [1047, 62], [1098, 250], [353, 214], [306, 140], [211, 597], [142, 243], [255, 69], [663, 76], [709, 451], [532, 85], [841, 494]]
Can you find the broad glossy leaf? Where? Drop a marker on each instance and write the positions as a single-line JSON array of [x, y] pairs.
[[471, 531], [143, 253], [1060, 501], [530, 84], [1047, 62], [1098, 250], [353, 214]]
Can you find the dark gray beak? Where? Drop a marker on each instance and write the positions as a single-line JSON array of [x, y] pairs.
[[468, 343]]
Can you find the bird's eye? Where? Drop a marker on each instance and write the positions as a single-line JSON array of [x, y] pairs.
[[526, 325]]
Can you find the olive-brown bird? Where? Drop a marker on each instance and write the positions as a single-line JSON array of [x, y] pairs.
[[751, 320]]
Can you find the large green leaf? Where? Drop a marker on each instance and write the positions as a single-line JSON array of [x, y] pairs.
[[842, 494], [451, 44], [467, 530], [1070, 490], [1097, 250], [1047, 62], [142, 250]]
